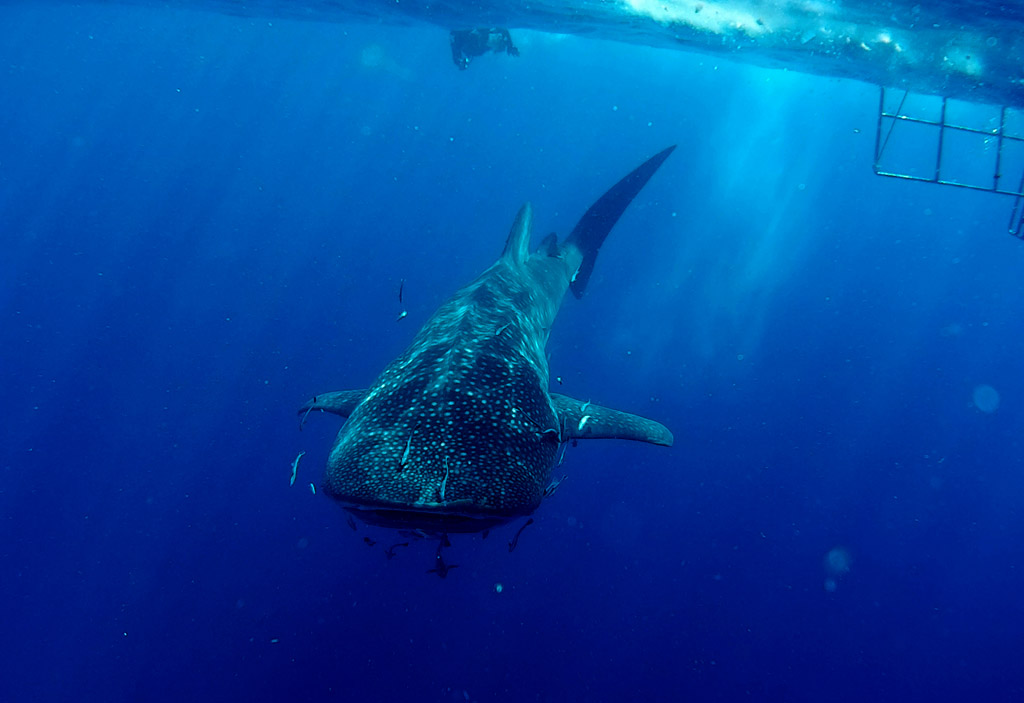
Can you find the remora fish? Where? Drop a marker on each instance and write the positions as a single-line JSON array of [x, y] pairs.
[[460, 432]]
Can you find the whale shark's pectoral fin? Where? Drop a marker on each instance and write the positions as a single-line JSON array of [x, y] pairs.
[[581, 420], [337, 402]]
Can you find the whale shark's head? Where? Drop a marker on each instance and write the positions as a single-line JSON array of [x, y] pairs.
[[446, 442]]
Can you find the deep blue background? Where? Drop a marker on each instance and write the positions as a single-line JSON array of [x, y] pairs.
[[204, 221]]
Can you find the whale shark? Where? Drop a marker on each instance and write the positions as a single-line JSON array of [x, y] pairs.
[[461, 432]]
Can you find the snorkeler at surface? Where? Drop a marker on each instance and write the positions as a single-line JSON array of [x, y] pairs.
[[468, 43]]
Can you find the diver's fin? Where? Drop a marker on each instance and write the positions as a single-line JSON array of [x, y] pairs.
[[337, 402], [580, 420], [517, 246], [597, 222]]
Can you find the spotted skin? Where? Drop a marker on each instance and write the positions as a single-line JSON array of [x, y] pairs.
[[460, 432]]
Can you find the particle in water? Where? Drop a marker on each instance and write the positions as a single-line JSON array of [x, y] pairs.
[[837, 564], [986, 398]]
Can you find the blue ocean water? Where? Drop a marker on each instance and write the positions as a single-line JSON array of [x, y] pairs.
[[205, 221]]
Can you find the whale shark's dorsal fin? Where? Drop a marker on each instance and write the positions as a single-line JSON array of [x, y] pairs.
[[580, 420], [517, 246], [549, 245], [597, 222]]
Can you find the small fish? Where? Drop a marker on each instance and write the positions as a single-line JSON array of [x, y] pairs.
[[550, 432], [553, 486], [295, 468], [405, 455], [444, 483], [306, 414], [441, 569], [583, 422], [401, 289], [515, 540], [408, 448], [559, 379], [312, 488], [390, 551], [351, 522], [542, 432], [369, 542]]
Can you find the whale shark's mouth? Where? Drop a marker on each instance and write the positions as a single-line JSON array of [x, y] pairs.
[[430, 521]]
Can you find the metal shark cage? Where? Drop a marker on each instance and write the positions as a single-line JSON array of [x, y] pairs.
[[954, 143]]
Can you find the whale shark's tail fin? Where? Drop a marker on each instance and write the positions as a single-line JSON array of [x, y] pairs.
[[597, 222]]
